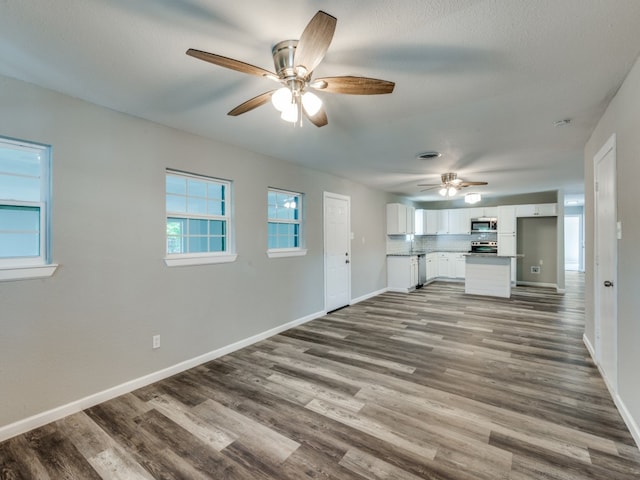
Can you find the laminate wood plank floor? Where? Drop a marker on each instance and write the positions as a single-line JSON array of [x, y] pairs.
[[434, 384]]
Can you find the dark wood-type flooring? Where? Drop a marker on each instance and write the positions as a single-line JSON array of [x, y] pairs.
[[430, 385]]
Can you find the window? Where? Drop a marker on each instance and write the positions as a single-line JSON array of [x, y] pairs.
[[284, 223], [24, 205], [198, 219]]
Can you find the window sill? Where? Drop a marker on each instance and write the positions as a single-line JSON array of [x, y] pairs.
[[8, 274], [294, 252], [209, 260]]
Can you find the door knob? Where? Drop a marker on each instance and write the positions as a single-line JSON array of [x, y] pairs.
[[346, 261], [608, 283]]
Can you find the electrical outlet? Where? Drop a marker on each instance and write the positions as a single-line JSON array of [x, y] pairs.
[[535, 269], [156, 341]]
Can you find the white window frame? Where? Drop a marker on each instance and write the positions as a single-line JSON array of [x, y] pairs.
[[292, 251], [23, 268], [203, 258]]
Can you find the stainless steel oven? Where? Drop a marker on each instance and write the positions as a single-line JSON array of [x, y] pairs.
[[484, 246]]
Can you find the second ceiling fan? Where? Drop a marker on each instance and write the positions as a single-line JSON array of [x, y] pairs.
[[295, 61]]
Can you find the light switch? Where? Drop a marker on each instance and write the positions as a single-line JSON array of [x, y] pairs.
[[619, 230]]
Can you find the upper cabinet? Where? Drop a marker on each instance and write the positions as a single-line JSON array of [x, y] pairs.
[[443, 222], [537, 210], [483, 212], [427, 222], [507, 219], [411, 220], [400, 219], [460, 221], [491, 212], [457, 221]]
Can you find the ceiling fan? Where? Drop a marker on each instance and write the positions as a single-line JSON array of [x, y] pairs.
[[295, 61], [450, 184]]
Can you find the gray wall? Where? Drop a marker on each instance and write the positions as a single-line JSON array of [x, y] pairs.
[[89, 327], [622, 117], [537, 241]]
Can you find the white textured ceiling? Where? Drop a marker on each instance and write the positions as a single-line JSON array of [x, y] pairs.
[[481, 81]]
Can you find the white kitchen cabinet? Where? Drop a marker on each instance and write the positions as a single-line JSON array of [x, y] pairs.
[[400, 219], [432, 266], [443, 222], [402, 273], [537, 210], [507, 222], [419, 222], [426, 222], [460, 221], [411, 218], [432, 219], [475, 212], [444, 265], [506, 244], [490, 212]]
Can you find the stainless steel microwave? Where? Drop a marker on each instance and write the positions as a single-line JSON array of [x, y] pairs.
[[484, 224]]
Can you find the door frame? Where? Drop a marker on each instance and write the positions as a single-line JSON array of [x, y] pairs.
[[609, 146], [347, 198]]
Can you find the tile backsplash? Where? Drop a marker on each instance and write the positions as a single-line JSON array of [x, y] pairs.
[[441, 243]]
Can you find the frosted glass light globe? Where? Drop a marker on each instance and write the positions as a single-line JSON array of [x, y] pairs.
[[281, 99], [311, 103], [290, 113]]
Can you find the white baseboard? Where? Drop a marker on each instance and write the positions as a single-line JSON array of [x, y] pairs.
[[368, 296], [537, 284], [400, 290], [631, 423], [590, 348], [41, 419]]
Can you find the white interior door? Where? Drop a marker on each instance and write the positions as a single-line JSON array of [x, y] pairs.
[[337, 251], [606, 320]]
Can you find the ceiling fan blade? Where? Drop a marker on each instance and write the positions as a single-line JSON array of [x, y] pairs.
[[319, 119], [353, 85], [468, 184], [314, 42], [430, 185], [249, 105], [430, 188], [230, 63]]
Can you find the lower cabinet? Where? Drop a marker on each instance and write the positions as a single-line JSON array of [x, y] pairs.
[[459, 265], [451, 265], [402, 270], [444, 269], [402, 273]]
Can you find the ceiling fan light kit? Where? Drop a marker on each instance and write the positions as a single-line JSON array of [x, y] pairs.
[[450, 185], [295, 61]]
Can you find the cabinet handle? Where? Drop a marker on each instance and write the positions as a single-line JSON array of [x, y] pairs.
[[608, 283]]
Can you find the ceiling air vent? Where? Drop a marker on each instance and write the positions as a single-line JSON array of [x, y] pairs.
[[428, 155]]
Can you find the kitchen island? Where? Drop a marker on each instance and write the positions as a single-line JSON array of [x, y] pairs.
[[488, 274]]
